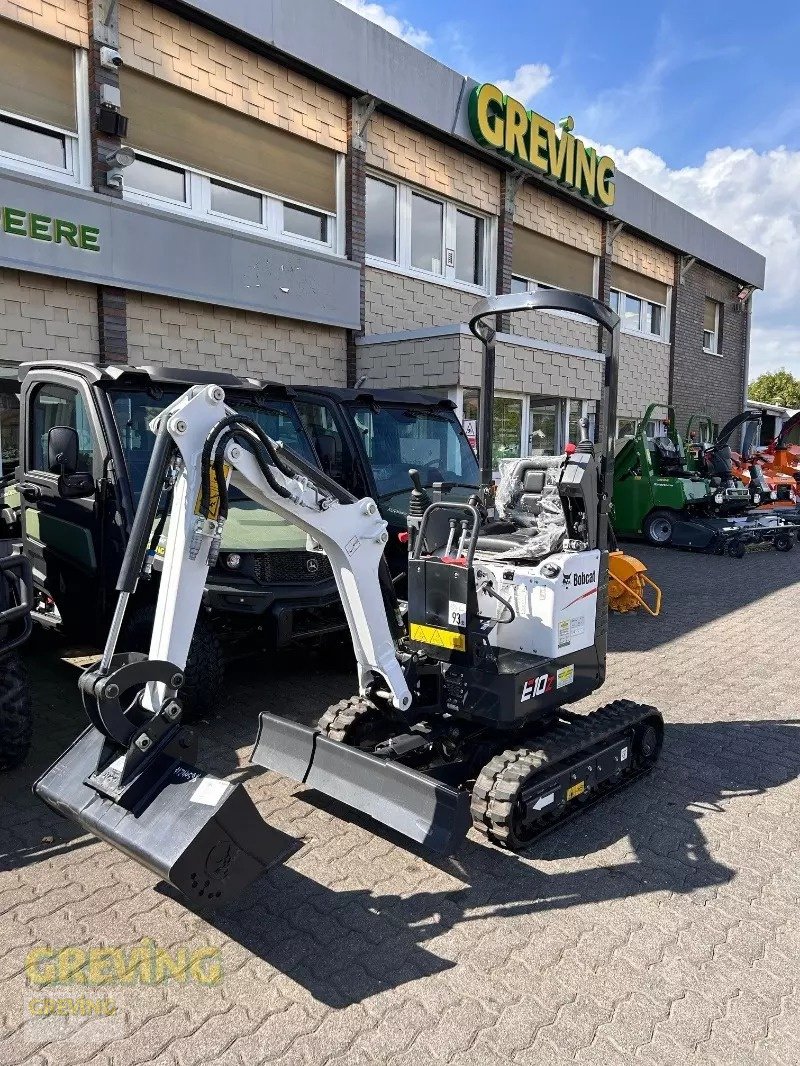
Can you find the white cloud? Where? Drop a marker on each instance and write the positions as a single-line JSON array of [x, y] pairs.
[[752, 196], [378, 14], [528, 80]]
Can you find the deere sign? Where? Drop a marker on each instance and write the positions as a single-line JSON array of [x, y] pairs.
[[505, 125]]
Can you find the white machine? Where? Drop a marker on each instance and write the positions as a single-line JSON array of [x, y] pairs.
[[456, 691]]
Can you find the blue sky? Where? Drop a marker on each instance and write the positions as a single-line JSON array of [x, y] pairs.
[[700, 100]]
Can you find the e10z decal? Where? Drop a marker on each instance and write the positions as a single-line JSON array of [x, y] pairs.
[[537, 686], [544, 683]]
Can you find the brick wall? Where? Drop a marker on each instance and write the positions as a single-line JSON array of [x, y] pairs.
[[418, 158], [533, 370], [641, 255], [456, 358], [556, 329], [66, 19], [432, 361], [643, 374], [171, 332], [703, 383], [157, 42], [396, 302], [46, 318], [539, 210]]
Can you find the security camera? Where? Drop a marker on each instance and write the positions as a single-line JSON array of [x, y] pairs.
[[110, 58], [121, 157], [117, 159]]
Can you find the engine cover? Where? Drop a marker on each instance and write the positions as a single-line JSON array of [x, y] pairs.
[[555, 603]]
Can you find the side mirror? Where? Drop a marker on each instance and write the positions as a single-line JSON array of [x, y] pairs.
[[75, 486], [62, 450]]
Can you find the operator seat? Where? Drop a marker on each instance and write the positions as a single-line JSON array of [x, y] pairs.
[[527, 484], [670, 462]]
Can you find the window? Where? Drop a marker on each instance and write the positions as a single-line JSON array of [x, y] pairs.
[[162, 184], [39, 98], [639, 316], [134, 410], [57, 405], [552, 264], [304, 223], [333, 451], [397, 439], [224, 166], [469, 248], [712, 319], [381, 219], [427, 232], [421, 233], [626, 427], [157, 179], [236, 203]]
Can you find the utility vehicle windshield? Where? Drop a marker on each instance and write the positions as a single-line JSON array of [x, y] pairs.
[[398, 438], [133, 410]]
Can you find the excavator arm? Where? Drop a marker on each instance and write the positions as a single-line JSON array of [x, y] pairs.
[[130, 777], [351, 534]]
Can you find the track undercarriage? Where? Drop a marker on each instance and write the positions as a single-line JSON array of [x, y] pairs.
[[512, 785]]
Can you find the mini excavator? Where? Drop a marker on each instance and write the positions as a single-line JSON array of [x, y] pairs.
[[460, 718]]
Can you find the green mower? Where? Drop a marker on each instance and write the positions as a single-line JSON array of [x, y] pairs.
[[660, 494]]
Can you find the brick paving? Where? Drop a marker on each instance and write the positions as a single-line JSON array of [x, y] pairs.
[[659, 928]]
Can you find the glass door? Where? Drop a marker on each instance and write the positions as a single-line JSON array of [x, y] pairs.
[[545, 421]]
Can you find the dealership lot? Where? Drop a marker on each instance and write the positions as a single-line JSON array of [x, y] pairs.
[[661, 926]]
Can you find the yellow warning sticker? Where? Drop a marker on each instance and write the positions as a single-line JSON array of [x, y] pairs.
[[438, 638], [576, 789], [213, 510]]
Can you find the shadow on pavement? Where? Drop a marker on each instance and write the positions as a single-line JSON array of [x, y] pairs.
[[344, 946], [698, 589]]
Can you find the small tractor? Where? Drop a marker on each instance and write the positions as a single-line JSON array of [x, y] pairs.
[[660, 493], [460, 717]]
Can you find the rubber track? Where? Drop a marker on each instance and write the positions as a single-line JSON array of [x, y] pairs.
[[339, 717], [499, 783]]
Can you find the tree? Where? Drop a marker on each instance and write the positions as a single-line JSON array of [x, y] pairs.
[[780, 387]]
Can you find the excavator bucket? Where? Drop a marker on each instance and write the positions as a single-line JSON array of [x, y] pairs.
[[628, 584], [201, 834], [417, 805]]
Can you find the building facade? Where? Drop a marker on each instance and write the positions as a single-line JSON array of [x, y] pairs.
[[309, 201]]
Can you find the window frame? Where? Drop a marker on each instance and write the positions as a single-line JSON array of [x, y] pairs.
[[197, 205], [717, 333], [77, 152], [663, 336], [535, 286], [404, 193]]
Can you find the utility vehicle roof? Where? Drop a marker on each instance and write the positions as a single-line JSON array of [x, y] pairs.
[[171, 375], [379, 396]]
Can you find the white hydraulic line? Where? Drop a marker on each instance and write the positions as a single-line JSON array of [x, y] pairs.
[[352, 535]]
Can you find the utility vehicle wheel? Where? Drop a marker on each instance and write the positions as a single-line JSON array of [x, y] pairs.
[[736, 549], [16, 720], [202, 692], [783, 542], [659, 527], [357, 722]]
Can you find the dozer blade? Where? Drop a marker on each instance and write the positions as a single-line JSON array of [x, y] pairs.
[[200, 833], [414, 804]]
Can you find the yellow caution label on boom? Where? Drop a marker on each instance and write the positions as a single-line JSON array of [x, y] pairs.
[[438, 638], [576, 789], [213, 509]]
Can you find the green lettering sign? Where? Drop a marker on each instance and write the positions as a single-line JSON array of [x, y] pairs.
[[39, 227], [504, 125]]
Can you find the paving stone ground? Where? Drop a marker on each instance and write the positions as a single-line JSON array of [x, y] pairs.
[[661, 927]]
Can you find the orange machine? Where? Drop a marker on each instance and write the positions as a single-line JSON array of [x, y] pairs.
[[782, 455]]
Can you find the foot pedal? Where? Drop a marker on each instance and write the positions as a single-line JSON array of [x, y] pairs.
[[201, 834]]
